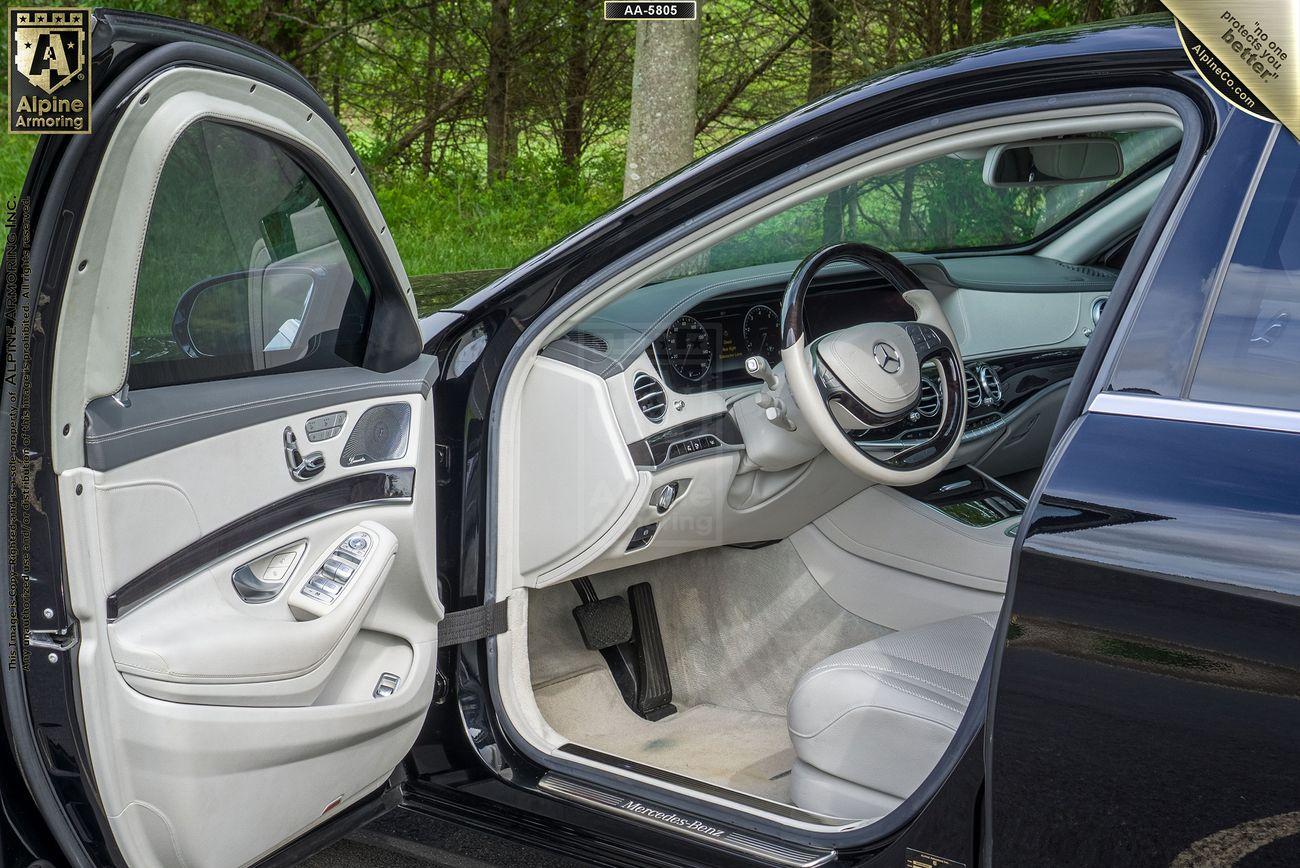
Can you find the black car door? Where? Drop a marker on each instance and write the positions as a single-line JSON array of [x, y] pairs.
[[1147, 698]]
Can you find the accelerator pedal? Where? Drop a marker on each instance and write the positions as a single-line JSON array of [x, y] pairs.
[[654, 686]]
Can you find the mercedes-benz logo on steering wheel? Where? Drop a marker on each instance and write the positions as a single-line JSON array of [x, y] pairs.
[[887, 357]]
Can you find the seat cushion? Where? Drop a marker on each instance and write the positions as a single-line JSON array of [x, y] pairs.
[[870, 723]]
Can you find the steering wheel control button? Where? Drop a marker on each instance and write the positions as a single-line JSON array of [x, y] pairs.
[[324, 427], [664, 497]]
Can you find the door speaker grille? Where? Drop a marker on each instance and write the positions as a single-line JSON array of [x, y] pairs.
[[379, 435]]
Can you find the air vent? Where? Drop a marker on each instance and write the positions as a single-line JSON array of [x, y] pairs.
[[991, 384], [929, 403], [1098, 307], [649, 397], [974, 397], [588, 340]]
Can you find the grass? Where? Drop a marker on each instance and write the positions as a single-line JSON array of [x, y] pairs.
[[454, 232]]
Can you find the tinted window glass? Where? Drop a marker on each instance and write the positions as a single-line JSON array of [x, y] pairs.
[[245, 268], [937, 205], [1251, 352], [1158, 349]]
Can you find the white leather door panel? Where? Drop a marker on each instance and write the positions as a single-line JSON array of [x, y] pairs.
[[198, 702]]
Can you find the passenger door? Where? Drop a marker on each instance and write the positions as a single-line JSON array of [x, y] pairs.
[[242, 433], [1148, 694]]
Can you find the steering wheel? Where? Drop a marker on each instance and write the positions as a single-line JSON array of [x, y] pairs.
[[868, 376]]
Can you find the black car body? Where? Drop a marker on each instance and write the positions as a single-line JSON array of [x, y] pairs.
[[1141, 701]]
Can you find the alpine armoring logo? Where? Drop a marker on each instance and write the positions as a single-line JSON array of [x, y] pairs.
[[49, 73]]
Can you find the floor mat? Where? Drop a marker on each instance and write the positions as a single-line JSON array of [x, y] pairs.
[[739, 626], [747, 751]]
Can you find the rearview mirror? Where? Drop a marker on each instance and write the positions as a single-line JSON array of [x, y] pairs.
[[247, 313], [1051, 162]]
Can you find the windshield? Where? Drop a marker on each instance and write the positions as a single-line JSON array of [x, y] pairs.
[[940, 205]]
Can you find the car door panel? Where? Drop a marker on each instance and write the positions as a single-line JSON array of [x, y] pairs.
[[228, 698], [120, 204], [220, 727]]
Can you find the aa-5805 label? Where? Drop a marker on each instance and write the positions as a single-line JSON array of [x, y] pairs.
[[623, 11]]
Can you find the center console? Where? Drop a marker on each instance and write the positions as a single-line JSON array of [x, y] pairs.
[[970, 497]]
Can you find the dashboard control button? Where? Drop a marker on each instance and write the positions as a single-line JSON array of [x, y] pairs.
[[641, 537], [664, 497]]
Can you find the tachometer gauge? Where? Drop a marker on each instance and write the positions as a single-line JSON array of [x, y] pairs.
[[689, 349], [761, 328]]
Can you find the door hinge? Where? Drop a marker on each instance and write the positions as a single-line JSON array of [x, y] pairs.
[[53, 640]]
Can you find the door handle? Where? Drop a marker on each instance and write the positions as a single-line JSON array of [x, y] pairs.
[[301, 467], [260, 580], [251, 589]]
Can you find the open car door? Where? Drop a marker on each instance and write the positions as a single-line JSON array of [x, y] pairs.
[[225, 491]]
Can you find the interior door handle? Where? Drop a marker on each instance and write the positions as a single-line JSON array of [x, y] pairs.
[[260, 580], [251, 589], [301, 467]]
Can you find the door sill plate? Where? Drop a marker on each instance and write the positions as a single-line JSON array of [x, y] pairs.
[[683, 823]]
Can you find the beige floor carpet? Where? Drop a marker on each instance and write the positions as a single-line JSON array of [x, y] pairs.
[[747, 751]]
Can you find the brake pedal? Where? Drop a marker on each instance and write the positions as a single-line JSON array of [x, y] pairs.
[[606, 626], [654, 686], [603, 623]]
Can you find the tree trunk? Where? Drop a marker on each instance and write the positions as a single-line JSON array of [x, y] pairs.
[[498, 86], [992, 20], [665, 86], [430, 90], [577, 74], [964, 22], [821, 47], [905, 206]]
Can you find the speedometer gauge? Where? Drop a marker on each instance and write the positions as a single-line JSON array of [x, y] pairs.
[[761, 329], [688, 348]]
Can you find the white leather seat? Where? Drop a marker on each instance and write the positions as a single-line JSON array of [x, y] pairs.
[[868, 724]]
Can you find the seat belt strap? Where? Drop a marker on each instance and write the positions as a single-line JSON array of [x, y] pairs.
[[471, 625]]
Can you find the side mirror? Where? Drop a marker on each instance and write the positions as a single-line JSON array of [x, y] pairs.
[[247, 313], [1051, 162]]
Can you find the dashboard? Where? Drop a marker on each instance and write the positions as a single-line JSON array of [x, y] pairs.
[[705, 349]]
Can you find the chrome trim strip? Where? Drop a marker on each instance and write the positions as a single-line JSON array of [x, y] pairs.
[[689, 826], [1177, 410]]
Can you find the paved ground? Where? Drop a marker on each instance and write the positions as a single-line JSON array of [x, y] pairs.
[[402, 839]]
